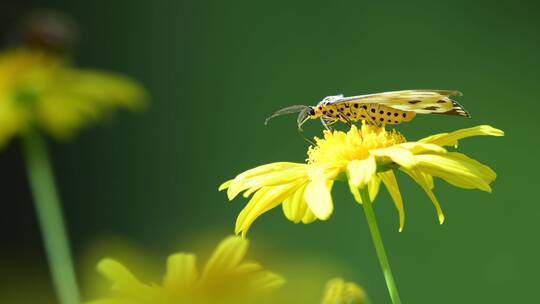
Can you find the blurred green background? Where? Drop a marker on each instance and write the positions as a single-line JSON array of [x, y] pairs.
[[216, 69]]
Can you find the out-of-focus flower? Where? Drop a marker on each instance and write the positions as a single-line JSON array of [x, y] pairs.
[[338, 291], [225, 279], [43, 90], [364, 157]]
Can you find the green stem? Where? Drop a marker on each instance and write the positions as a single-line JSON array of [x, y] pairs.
[[50, 218], [379, 247]]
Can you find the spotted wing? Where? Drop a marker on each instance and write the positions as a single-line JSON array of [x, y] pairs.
[[419, 101]]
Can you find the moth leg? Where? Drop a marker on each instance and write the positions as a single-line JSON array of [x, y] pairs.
[[376, 122], [326, 123], [371, 121], [348, 122], [305, 138]]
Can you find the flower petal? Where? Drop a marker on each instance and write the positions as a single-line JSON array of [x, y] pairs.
[[259, 279], [295, 207], [419, 147], [389, 180], [266, 175], [426, 182], [360, 172], [338, 291], [225, 185], [262, 201], [401, 156], [319, 198], [373, 189], [267, 280], [309, 217], [457, 169], [123, 280], [181, 270], [226, 257], [451, 139]]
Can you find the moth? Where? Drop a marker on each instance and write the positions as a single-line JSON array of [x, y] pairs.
[[388, 108]]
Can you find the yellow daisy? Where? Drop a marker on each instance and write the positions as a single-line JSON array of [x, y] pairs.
[[363, 157], [39, 89], [225, 279], [338, 291]]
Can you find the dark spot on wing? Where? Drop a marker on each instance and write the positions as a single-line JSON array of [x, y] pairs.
[[396, 114], [404, 115], [441, 101], [414, 101], [372, 110], [431, 108]]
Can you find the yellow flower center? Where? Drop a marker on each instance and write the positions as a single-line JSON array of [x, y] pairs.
[[338, 148]]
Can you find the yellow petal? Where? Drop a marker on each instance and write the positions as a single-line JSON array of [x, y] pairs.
[[451, 139], [264, 200], [481, 170], [419, 147], [111, 301], [226, 257], [338, 291], [426, 182], [401, 156], [457, 169], [122, 279], [319, 198], [181, 270], [266, 175], [264, 169], [373, 190], [389, 180], [309, 217], [360, 172], [225, 185], [266, 280], [295, 206]]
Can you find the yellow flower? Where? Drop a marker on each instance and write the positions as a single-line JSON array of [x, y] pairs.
[[43, 90], [363, 157], [340, 292], [225, 279]]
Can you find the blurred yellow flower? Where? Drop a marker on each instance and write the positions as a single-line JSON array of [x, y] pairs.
[[364, 157], [338, 291], [43, 90], [225, 279]]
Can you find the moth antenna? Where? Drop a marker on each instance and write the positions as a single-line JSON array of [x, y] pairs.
[[287, 110]]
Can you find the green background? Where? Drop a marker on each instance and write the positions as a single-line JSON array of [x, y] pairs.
[[216, 69]]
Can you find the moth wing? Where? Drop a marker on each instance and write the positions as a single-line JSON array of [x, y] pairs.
[[419, 101]]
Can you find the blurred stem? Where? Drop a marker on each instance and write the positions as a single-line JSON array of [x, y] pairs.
[[50, 218], [379, 247]]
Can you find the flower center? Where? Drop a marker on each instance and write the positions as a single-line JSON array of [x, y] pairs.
[[337, 148]]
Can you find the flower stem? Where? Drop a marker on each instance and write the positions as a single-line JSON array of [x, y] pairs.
[[379, 247], [49, 214]]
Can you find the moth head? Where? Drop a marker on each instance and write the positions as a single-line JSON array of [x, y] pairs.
[[304, 113]]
